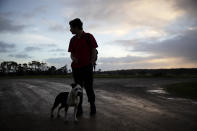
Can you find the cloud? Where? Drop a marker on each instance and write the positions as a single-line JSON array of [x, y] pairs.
[[59, 61], [31, 48], [159, 18], [44, 45], [120, 17], [49, 45], [188, 18], [151, 62], [57, 27], [21, 56], [57, 50], [190, 6], [2, 2], [107, 63], [132, 62], [158, 28], [5, 47], [119, 60], [7, 25], [28, 38], [183, 46], [175, 52], [36, 12]]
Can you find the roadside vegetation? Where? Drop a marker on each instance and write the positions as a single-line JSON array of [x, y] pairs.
[[184, 89], [36, 69]]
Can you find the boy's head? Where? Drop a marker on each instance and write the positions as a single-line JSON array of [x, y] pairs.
[[75, 25]]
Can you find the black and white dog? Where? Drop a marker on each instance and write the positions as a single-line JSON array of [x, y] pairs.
[[67, 99]]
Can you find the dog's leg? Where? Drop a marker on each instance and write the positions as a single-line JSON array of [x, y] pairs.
[[53, 108], [65, 116], [58, 112], [75, 113]]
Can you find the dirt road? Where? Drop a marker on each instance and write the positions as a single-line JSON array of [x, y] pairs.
[[133, 104]]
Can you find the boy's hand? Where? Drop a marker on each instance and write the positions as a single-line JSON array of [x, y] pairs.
[[92, 61], [75, 60]]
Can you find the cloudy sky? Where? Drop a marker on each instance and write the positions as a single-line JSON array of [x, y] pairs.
[[130, 33]]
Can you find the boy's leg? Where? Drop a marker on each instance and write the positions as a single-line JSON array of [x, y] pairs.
[[77, 76], [88, 85], [76, 73]]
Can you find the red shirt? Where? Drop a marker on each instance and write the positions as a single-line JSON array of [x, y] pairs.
[[82, 50]]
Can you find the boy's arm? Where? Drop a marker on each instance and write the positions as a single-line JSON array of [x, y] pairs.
[[93, 55], [94, 45], [71, 54], [73, 58]]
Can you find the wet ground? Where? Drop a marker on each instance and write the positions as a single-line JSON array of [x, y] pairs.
[[132, 104]]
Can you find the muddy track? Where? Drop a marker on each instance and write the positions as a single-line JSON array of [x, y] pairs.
[[122, 104]]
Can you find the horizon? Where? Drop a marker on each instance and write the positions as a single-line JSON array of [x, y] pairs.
[[112, 70], [131, 34]]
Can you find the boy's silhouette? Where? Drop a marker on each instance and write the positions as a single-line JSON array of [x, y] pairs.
[[83, 59]]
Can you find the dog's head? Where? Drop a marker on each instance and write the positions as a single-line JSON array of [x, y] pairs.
[[76, 88]]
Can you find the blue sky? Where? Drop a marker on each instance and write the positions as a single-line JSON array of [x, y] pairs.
[[131, 34]]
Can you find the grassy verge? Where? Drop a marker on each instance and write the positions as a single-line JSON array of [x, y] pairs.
[[95, 76], [184, 89], [67, 76]]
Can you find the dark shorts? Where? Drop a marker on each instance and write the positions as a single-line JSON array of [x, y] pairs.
[[84, 77]]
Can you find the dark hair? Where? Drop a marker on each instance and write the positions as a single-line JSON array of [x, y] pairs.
[[76, 23]]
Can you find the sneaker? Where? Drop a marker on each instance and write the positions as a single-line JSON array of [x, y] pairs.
[[92, 109]]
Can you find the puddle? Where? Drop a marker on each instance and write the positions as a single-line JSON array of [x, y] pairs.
[[183, 100], [194, 102], [170, 98], [157, 91]]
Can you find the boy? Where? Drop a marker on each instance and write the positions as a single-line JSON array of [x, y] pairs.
[[83, 58]]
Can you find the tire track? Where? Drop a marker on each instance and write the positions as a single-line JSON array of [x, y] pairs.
[[32, 102]]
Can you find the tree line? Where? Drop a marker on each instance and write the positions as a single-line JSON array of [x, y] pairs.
[[30, 68], [155, 72], [41, 68]]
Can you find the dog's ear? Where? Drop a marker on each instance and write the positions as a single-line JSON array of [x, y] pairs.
[[81, 85], [73, 85]]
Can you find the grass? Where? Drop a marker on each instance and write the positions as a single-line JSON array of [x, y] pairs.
[[66, 76], [95, 76], [184, 89]]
